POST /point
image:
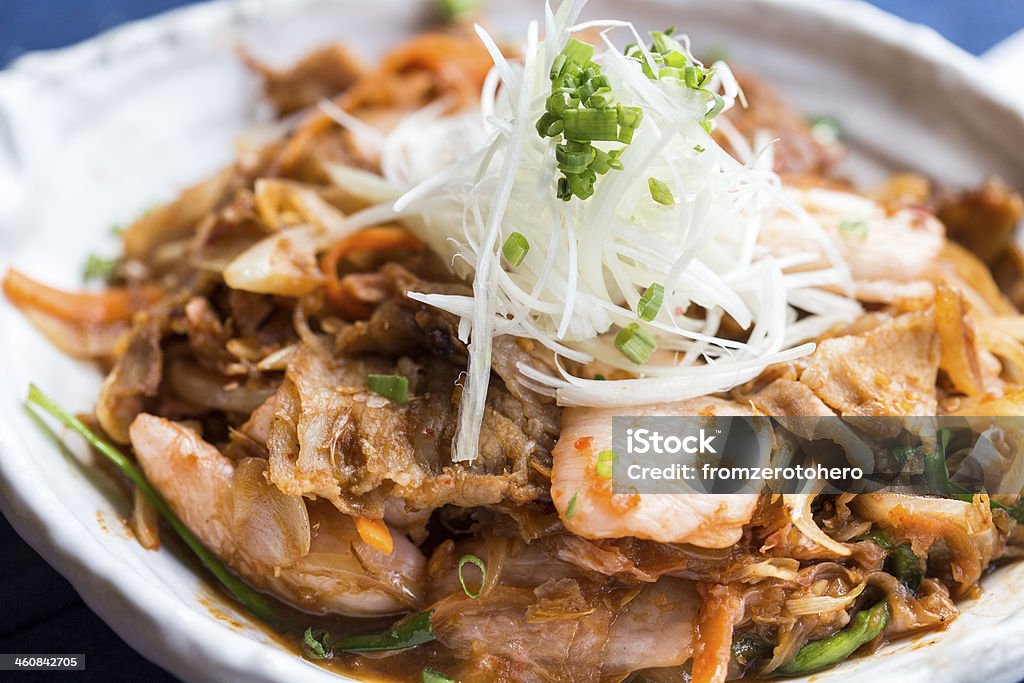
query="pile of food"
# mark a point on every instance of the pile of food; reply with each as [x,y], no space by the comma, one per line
[371,367]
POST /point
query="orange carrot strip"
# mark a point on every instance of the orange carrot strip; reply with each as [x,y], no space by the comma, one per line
[371,239]
[375,533]
[719,608]
[111,305]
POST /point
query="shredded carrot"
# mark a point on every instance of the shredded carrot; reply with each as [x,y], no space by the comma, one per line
[375,533]
[713,649]
[387,238]
[82,308]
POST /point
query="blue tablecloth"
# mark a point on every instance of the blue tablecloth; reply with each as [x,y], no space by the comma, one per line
[975,25]
[41,611]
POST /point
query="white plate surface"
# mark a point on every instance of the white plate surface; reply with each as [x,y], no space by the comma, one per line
[94,134]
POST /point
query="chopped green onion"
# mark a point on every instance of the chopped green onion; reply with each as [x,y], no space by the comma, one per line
[393,387]
[865,626]
[431,676]
[414,630]
[549,125]
[574,157]
[650,302]
[635,343]
[578,52]
[602,99]
[256,602]
[854,227]
[99,268]
[582,185]
[586,125]
[472,559]
[661,192]
[571,510]
[630,117]
[582,109]
[605,464]
[825,129]
[699,149]
[599,377]
[515,249]
[717,107]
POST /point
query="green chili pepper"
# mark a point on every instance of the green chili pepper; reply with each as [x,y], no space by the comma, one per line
[865,626]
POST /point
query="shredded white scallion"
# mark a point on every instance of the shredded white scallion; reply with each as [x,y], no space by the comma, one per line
[470,180]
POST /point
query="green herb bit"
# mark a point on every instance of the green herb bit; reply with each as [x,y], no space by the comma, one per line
[605,464]
[826,129]
[635,343]
[650,302]
[116,229]
[515,249]
[578,52]
[900,559]
[571,509]
[661,192]
[414,630]
[393,387]
[865,626]
[460,10]
[854,227]
[256,602]
[699,149]
[588,125]
[99,268]
[431,676]
[474,560]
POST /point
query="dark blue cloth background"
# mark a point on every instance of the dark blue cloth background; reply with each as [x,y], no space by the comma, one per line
[975,25]
[41,612]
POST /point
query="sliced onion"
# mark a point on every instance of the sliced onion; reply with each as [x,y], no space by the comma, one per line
[799,508]
[144,521]
[283,264]
[784,568]
[271,526]
[284,204]
[205,389]
[822,604]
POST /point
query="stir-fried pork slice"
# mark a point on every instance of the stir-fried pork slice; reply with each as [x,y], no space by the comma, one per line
[135,377]
[321,74]
[892,255]
[890,370]
[332,437]
[572,630]
[707,520]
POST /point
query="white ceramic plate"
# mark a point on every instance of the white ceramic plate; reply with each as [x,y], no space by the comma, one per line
[94,134]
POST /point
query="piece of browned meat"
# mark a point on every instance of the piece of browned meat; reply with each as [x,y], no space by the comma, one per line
[333,438]
[320,75]
[985,221]
[889,370]
[797,151]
